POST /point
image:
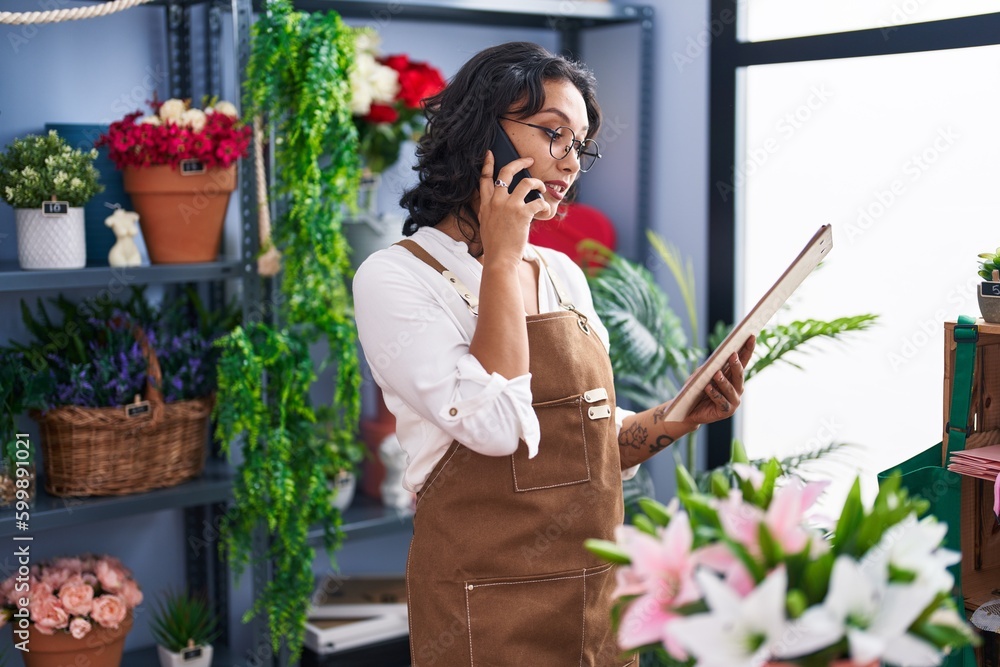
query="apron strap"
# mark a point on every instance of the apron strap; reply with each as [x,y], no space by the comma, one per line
[471,300]
[561,293]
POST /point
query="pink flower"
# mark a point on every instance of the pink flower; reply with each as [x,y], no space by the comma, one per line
[79,627]
[131,594]
[55,577]
[74,565]
[663,571]
[109,611]
[720,558]
[48,615]
[37,591]
[111,575]
[76,596]
[785,517]
[741,521]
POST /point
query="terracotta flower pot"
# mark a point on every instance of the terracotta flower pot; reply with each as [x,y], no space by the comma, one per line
[181,215]
[101,647]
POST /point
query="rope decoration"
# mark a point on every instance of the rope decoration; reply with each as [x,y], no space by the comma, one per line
[74,14]
[269,263]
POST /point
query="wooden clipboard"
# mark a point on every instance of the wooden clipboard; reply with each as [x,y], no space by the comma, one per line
[818,247]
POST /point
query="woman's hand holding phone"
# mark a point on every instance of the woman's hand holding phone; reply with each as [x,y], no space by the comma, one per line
[504,217]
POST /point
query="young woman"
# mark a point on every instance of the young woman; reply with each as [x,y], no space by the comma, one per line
[489,353]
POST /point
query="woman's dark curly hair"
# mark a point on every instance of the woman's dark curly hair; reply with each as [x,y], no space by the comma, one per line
[462,121]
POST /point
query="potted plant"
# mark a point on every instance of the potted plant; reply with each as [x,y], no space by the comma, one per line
[80,376]
[346,456]
[988,293]
[70,609]
[184,628]
[48,182]
[298,84]
[738,572]
[179,168]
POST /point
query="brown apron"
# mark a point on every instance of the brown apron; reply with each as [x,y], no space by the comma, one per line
[497,573]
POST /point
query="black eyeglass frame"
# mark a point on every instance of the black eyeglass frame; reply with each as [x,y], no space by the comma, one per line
[580,145]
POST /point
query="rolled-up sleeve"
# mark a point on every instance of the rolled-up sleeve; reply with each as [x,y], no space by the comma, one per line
[417,348]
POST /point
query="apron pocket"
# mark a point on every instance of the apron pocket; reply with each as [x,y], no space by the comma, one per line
[535,620]
[562,454]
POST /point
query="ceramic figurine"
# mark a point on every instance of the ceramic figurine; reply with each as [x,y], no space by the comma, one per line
[394,458]
[125,226]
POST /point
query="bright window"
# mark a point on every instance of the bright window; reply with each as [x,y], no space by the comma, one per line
[777,19]
[899,154]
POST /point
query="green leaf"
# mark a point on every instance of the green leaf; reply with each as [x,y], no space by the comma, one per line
[655,510]
[850,519]
[738,453]
[609,551]
[686,484]
[644,523]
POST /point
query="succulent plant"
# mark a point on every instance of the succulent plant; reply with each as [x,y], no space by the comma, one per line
[183,621]
[989,261]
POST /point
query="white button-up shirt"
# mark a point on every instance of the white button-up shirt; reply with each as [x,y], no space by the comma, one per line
[415,330]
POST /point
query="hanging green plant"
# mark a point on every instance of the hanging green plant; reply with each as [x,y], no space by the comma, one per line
[298,82]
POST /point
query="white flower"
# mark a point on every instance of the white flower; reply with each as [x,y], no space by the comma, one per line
[148,120]
[193,118]
[371,82]
[172,110]
[873,614]
[226,109]
[60,178]
[913,546]
[75,182]
[367,41]
[737,631]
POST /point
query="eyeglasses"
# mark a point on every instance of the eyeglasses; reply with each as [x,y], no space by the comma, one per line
[562,140]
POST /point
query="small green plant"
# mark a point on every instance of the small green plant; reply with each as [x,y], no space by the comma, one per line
[182,621]
[989,262]
[39,168]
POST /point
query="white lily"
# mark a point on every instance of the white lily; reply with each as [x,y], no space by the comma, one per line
[913,546]
[737,632]
[871,612]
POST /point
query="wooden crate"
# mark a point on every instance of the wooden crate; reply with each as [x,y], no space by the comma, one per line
[979,530]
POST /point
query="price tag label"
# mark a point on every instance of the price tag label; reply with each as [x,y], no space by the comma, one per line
[54,208]
[191,654]
[137,409]
[989,289]
[192,167]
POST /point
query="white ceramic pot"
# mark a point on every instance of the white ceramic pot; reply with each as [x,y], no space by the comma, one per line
[51,242]
[344,484]
[171,659]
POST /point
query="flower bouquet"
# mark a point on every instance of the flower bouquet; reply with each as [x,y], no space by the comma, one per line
[81,379]
[737,574]
[68,607]
[179,167]
[387,95]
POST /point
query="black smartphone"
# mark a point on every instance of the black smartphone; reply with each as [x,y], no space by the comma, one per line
[503,154]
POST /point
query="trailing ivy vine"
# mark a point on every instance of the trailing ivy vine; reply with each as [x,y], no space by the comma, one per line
[297,80]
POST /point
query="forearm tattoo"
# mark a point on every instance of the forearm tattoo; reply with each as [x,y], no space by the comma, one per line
[634,436]
[659,413]
[662,442]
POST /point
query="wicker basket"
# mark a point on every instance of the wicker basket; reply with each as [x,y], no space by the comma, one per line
[104,452]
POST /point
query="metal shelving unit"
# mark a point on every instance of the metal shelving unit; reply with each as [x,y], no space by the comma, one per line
[13,279]
[204,500]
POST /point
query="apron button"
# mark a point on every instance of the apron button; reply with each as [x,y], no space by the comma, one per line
[453,412]
[469,587]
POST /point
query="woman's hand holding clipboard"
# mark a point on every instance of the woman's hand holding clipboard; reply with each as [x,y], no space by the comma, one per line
[687,405]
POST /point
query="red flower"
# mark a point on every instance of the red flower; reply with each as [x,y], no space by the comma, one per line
[398,62]
[382,113]
[417,83]
[220,143]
